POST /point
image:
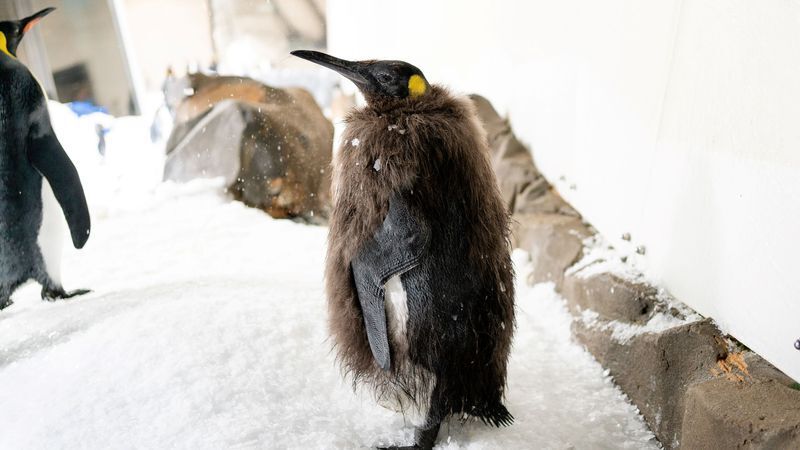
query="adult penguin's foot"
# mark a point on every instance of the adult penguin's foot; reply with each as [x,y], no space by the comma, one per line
[53,294]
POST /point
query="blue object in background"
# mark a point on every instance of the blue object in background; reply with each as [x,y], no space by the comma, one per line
[81,108]
[85,108]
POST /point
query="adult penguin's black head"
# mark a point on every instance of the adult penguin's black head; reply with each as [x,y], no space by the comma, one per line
[12,31]
[375,79]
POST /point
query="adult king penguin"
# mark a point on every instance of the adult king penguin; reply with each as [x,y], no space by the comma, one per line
[419,276]
[29,150]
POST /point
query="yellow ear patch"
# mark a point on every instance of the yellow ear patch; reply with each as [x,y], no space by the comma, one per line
[4,45]
[417,86]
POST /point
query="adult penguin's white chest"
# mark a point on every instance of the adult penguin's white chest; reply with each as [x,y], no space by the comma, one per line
[51,232]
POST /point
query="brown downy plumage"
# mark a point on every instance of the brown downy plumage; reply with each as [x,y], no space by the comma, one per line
[433,148]
[418,226]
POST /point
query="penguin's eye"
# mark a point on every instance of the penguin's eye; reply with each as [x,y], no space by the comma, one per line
[384,77]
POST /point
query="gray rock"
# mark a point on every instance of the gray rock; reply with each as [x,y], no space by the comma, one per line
[554,242]
[547,203]
[521,183]
[725,414]
[273,147]
[761,370]
[656,369]
[207,146]
[611,296]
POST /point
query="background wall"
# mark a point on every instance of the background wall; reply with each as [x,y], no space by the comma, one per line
[239,36]
[676,121]
[163,34]
[78,32]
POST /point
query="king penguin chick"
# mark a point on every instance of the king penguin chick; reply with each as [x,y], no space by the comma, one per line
[29,150]
[419,276]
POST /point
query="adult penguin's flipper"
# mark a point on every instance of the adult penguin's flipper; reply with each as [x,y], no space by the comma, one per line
[49,158]
[395,248]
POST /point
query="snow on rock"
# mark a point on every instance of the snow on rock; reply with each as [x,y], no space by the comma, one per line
[600,257]
[622,332]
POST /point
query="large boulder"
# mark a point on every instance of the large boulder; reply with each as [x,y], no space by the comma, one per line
[272,146]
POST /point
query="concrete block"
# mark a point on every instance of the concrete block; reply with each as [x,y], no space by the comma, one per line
[554,242]
[724,414]
[611,296]
[656,369]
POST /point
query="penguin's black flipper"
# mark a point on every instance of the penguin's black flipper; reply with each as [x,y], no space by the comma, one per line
[395,248]
[49,158]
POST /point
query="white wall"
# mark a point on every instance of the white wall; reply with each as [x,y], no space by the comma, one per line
[174,33]
[676,120]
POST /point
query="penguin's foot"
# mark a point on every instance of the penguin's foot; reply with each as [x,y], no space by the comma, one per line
[53,294]
[425,439]
[5,303]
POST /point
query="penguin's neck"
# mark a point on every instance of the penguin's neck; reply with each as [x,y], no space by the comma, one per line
[4,46]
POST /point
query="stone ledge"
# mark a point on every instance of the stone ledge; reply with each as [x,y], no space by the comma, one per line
[611,296]
[721,414]
[554,241]
[673,374]
[655,369]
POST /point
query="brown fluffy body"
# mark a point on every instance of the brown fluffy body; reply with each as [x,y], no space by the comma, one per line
[433,149]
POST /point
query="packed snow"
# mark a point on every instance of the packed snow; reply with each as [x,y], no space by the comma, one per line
[206,329]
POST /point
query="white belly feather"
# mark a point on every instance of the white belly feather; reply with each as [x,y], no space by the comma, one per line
[51,233]
[397,311]
[396,301]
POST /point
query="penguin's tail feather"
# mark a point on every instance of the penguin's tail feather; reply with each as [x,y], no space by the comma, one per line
[497,416]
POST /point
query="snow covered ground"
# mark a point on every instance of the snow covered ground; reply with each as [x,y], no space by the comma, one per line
[206,329]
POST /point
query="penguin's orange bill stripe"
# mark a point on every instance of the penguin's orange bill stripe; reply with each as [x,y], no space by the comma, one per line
[31,24]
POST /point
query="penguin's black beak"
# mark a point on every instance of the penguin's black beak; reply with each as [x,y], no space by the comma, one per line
[375,79]
[29,22]
[352,70]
